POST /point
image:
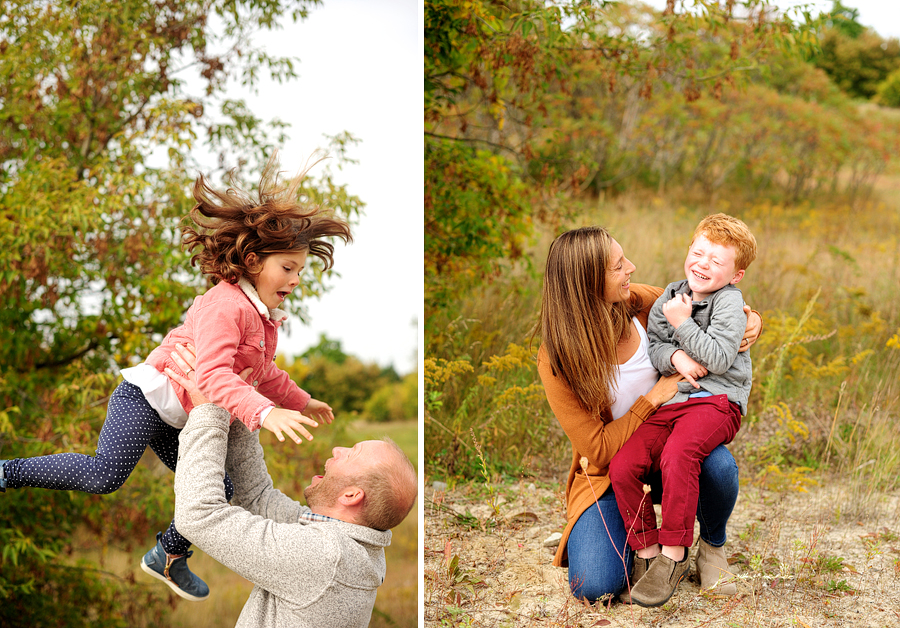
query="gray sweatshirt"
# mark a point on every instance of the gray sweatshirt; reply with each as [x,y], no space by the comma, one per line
[712,337]
[307,573]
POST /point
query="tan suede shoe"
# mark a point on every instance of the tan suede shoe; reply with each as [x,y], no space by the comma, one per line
[660,581]
[713,569]
[638,569]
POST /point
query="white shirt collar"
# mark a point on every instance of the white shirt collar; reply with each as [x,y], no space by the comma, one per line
[275,315]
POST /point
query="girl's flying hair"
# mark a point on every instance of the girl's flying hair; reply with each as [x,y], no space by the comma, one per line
[234,224]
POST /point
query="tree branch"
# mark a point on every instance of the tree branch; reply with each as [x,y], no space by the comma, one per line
[93,344]
[472,140]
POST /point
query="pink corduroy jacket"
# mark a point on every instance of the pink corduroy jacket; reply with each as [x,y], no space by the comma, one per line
[231,329]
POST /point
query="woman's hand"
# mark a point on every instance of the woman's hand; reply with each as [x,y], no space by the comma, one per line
[664,389]
[319,410]
[754,329]
[186,360]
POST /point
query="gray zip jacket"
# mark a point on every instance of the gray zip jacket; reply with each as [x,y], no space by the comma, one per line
[307,573]
[712,337]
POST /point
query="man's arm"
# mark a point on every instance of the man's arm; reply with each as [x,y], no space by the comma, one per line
[253,486]
[291,561]
[245,462]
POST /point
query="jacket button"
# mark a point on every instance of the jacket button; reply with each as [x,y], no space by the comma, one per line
[255,383]
[262,343]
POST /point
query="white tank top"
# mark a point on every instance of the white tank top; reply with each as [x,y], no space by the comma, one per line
[634,378]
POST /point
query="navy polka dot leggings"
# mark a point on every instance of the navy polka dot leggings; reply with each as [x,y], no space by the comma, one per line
[131,424]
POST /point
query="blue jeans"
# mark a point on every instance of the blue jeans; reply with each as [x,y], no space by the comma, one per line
[596,557]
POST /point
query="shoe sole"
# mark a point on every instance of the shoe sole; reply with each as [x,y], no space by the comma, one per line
[181,592]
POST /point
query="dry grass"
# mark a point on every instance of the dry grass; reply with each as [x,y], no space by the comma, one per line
[801,563]
[830,557]
[228,591]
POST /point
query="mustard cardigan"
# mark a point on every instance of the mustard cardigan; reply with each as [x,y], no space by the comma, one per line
[596,438]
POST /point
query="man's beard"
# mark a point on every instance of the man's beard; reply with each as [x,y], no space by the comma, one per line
[325,493]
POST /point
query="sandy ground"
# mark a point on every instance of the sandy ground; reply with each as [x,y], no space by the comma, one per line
[829,557]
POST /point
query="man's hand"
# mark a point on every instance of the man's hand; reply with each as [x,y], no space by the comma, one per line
[186,360]
[319,410]
[282,420]
[677,309]
[688,367]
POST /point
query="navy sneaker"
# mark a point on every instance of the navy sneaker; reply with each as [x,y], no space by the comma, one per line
[2,477]
[173,570]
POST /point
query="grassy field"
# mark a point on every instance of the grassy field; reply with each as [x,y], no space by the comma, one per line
[397,602]
[823,416]
[825,368]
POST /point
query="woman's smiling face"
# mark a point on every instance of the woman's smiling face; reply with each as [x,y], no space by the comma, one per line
[618,275]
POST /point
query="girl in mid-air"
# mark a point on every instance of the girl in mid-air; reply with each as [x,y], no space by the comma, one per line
[253,249]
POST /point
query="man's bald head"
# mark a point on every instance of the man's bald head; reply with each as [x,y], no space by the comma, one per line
[391,487]
[383,473]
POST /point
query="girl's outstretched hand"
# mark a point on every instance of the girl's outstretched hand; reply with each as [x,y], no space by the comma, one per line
[281,420]
[319,410]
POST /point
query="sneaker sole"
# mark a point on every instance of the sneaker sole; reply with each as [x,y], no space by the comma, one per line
[181,592]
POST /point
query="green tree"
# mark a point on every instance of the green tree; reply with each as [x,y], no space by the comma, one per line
[845,20]
[96,133]
[341,380]
[889,90]
[327,348]
[396,401]
[526,102]
[856,58]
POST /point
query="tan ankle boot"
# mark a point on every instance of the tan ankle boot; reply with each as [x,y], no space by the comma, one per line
[713,569]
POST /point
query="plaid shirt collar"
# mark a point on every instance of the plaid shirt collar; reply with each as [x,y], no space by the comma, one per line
[312,517]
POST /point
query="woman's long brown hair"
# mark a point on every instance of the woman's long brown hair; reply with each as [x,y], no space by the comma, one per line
[579,329]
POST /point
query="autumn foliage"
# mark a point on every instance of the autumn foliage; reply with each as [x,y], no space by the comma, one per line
[102,107]
[542,117]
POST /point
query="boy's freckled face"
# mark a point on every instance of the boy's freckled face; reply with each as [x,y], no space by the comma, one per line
[709,267]
[279,276]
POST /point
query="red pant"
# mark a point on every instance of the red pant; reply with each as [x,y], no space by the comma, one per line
[674,441]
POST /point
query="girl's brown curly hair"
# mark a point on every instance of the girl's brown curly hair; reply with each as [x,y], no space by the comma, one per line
[233,224]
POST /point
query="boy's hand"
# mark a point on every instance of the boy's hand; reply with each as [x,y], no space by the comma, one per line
[688,367]
[281,420]
[319,410]
[677,309]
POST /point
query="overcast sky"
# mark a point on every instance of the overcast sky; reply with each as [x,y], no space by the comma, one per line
[881,15]
[360,70]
